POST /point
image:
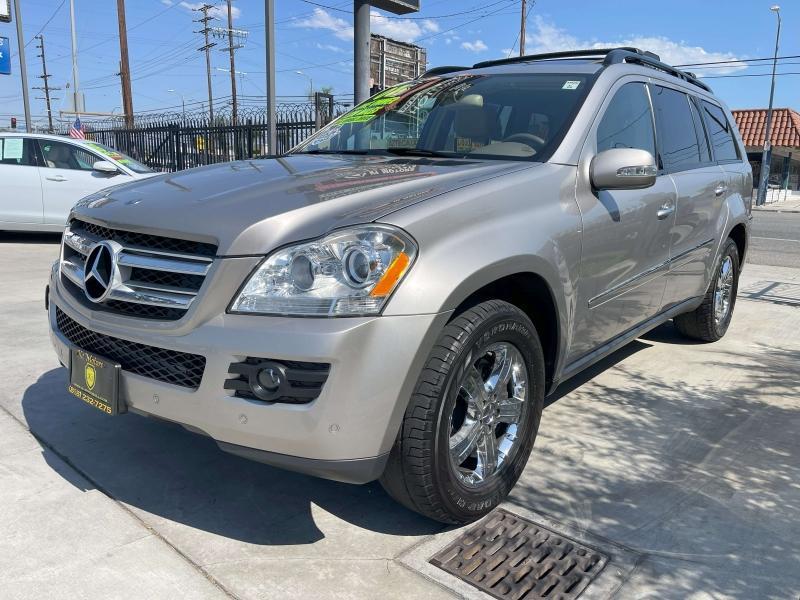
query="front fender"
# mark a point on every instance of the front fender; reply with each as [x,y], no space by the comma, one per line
[525,222]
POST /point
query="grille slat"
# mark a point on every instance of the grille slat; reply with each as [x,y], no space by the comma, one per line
[168,366]
[144,240]
[160,275]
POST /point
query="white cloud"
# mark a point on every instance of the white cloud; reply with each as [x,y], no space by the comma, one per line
[216,12]
[167,2]
[322,19]
[403,30]
[330,48]
[547,37]
[476,46]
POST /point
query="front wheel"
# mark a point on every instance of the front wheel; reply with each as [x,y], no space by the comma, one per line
[709,321]
[472,420]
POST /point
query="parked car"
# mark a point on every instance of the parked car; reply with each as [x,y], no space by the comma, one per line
[397,308]
[43,176]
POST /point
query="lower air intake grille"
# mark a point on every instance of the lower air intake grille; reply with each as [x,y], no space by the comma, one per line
[169,366]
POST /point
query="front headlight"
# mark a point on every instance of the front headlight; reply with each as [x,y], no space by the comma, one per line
[350,272]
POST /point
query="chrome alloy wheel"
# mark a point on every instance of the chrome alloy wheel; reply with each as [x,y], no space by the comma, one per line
[723,293]
[490,406]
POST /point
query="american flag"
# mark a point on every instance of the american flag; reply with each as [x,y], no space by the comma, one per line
[76,131]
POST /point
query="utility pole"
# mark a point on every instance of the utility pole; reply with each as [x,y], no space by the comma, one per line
[124,66]
[46,86]
[523,18]
[766,155]
[233,61]
[23,69]
[269,21]
[208,46]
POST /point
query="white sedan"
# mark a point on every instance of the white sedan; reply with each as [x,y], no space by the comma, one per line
[43,176]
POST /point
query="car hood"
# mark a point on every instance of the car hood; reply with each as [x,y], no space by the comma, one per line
[250,207]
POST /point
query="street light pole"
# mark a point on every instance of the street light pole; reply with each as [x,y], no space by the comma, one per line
[361,28]
[183,103]
[23,69]
[766,155]
[310,84]
[272,129]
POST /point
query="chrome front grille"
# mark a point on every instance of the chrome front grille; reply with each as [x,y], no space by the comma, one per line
[158,277]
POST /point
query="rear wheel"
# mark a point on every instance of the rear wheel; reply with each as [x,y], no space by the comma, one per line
[709,321]
[470,425]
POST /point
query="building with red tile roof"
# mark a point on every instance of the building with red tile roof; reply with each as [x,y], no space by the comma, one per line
[785,139]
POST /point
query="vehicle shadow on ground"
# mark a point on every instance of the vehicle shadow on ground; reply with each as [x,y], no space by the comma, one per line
[161,468]
[19,237]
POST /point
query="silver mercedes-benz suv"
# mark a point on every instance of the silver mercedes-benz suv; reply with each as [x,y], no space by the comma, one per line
[395,297]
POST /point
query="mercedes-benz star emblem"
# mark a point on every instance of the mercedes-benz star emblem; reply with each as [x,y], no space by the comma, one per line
[99,271]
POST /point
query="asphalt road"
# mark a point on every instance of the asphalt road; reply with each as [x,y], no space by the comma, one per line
[775,239]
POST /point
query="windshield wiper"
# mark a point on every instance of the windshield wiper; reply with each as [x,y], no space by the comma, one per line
[418,152]
[334,152]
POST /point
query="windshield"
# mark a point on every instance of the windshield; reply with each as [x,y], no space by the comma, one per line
[504,117]
[123,159]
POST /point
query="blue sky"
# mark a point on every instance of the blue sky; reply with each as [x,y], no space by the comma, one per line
[318,41]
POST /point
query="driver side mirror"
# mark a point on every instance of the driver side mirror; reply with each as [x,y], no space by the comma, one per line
[105,167]
[623,169]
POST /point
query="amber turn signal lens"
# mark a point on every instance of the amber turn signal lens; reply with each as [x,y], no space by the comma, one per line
[392,275]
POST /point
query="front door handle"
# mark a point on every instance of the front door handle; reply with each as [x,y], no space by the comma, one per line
[720,189]
[56,178]
[666,210]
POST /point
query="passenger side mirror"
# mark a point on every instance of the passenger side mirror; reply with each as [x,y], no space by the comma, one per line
[623,169]
[105,167]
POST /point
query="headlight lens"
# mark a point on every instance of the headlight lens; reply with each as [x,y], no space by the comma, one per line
[348,273]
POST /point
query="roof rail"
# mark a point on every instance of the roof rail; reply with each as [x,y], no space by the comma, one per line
[443,70]
[565,54]
[623,55]
[611,56]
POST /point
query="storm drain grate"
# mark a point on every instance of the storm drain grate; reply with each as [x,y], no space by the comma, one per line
[512,558]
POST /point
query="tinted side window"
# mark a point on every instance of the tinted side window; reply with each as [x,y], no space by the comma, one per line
[628,121]
[705,150]
[679,147]
[58,155]
[721,133]
[17,151]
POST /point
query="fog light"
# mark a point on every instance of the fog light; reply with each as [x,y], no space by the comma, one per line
[269,379]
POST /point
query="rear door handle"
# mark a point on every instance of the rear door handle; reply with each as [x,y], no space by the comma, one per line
[56,178]
[666,210]
[720,189]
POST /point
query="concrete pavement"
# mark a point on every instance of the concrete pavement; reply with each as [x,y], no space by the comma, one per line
[679,460]
[780,201]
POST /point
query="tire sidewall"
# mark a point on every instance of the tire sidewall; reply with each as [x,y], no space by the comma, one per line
[730,250]
[507,326]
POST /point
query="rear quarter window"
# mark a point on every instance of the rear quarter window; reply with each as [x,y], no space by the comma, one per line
[721,133]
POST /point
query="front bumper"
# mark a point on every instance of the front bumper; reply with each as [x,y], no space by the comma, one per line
[345,434]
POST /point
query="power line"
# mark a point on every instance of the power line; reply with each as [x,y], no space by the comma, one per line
[734,60]
[748,75]
[394,18]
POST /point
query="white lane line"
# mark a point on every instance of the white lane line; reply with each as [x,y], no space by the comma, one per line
[775,239]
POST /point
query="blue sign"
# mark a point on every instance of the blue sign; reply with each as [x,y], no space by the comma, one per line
[5,57]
